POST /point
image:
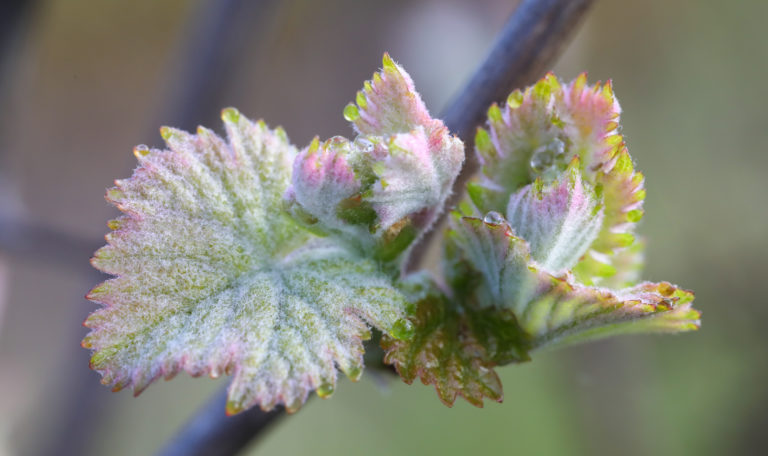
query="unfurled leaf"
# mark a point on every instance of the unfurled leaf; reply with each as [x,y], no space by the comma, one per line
[383,189]
[247,257]
[456,350]
[553,309]
[212,277]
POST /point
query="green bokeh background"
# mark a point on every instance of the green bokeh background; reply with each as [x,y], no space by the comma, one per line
[87,82]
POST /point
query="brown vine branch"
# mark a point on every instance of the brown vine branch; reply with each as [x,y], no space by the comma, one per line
[527,46]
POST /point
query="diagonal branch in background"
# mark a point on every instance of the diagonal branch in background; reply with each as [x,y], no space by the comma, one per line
[527,46]
[210,433]
[215,41]
[37,242]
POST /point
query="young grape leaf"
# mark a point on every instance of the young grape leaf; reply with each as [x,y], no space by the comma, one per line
[389,104]
[537,133]
[456,349]
[212,277]
[386,187]
[558,220]
[554,309]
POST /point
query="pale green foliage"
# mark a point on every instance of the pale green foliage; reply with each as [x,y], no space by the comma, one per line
[386,187]
[212,277]
[554,163]
[250,258]
[558,220]
[537,133]
[554,309]
[455,348]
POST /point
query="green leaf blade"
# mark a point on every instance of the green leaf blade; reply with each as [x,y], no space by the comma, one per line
[558,220]
[212,277]
[455,351]
[555,309]
[386,187]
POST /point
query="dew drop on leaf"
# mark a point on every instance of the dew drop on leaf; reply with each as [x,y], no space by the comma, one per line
[142,150]
[365,145]
[493,218]
[635,215]
[402,329]
[558,147]
[541,159]
[325,390]
[351,113]
[549,158]
[354,373]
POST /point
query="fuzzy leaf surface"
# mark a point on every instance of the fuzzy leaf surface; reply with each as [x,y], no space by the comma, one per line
[554,309]
[389,104]
[537,133]
[213,278]
[454,350]
[558,220]
[386,187]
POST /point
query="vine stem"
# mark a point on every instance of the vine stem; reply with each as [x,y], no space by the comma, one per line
[210,432]
[526,47]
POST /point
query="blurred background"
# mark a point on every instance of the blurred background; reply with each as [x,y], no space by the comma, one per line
[83,81]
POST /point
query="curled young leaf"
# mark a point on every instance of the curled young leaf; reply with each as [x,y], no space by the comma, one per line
[389,104]
[387,186]
[212,277]
[538,132]
[327,186]
[559,220]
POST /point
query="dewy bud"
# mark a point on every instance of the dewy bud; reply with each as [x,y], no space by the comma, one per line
[385,188]
[534,138]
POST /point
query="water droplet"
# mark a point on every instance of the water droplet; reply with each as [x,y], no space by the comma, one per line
[493,218]
[634,215]
[351,113]
[364,144]
[354,373]
[541,159]
[293,404]
[230,115]
[166,132]
[558,147]
[402,329]
[233,407]
[325,390]
[515,99]
[115,224]
[548,156]
[338,143]
[142,150]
